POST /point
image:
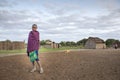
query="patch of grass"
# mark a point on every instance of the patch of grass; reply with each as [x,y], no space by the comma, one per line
[12,51]
[41,50]
[48,50]
[74,47]
[58,49]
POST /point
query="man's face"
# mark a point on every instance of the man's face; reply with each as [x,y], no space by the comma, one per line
[34,28]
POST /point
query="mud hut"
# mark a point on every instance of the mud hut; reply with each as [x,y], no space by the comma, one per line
[95,43]
[51,44]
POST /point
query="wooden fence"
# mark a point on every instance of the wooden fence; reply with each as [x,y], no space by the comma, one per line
[8,45]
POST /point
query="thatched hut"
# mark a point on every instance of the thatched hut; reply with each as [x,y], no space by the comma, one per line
[95,43]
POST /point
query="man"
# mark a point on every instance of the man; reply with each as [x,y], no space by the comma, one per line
[33,45]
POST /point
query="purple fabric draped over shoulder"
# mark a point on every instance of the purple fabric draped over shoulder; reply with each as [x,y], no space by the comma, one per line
[33,41]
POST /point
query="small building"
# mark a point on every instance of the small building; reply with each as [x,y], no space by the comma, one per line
[50,44]
[116,45]
[95,43]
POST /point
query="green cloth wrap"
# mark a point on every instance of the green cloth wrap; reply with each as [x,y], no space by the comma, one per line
[33,56]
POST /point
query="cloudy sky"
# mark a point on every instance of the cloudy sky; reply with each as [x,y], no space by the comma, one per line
[60,20]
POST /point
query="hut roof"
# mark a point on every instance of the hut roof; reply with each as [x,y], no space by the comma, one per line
[96,39]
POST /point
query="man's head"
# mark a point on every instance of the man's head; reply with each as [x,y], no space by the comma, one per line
[34,27]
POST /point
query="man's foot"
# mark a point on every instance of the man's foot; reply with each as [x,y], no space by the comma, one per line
[41,70]
[33,70]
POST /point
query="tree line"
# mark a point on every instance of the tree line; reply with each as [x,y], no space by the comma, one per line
[108,42]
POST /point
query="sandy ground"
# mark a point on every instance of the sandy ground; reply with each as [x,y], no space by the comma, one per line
[76,65]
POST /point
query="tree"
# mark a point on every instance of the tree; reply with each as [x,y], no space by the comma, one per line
[8,40]
[68,43]
[110,42]
[63,43]
[82,42]
[43,42]
[117,41]
[73,43]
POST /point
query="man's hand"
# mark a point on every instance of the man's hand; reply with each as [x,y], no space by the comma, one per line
[28,54]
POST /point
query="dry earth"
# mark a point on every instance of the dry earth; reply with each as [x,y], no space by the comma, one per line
[75,65]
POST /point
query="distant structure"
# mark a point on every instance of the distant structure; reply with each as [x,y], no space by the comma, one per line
[8,45]
[50,44]
[95,43]
[116,45]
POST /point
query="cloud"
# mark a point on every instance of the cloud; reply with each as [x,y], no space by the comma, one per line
[59,22]
[109,4]
[14,23]
[88,26]
[4,3]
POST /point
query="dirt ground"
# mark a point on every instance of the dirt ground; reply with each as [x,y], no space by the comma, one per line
[76,65]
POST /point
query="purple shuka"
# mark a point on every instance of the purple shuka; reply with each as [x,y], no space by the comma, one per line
[33,41]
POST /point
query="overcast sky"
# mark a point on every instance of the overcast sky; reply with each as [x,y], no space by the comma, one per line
[60,20]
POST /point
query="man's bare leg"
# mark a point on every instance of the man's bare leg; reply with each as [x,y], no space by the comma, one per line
[34,67]
[40,66]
